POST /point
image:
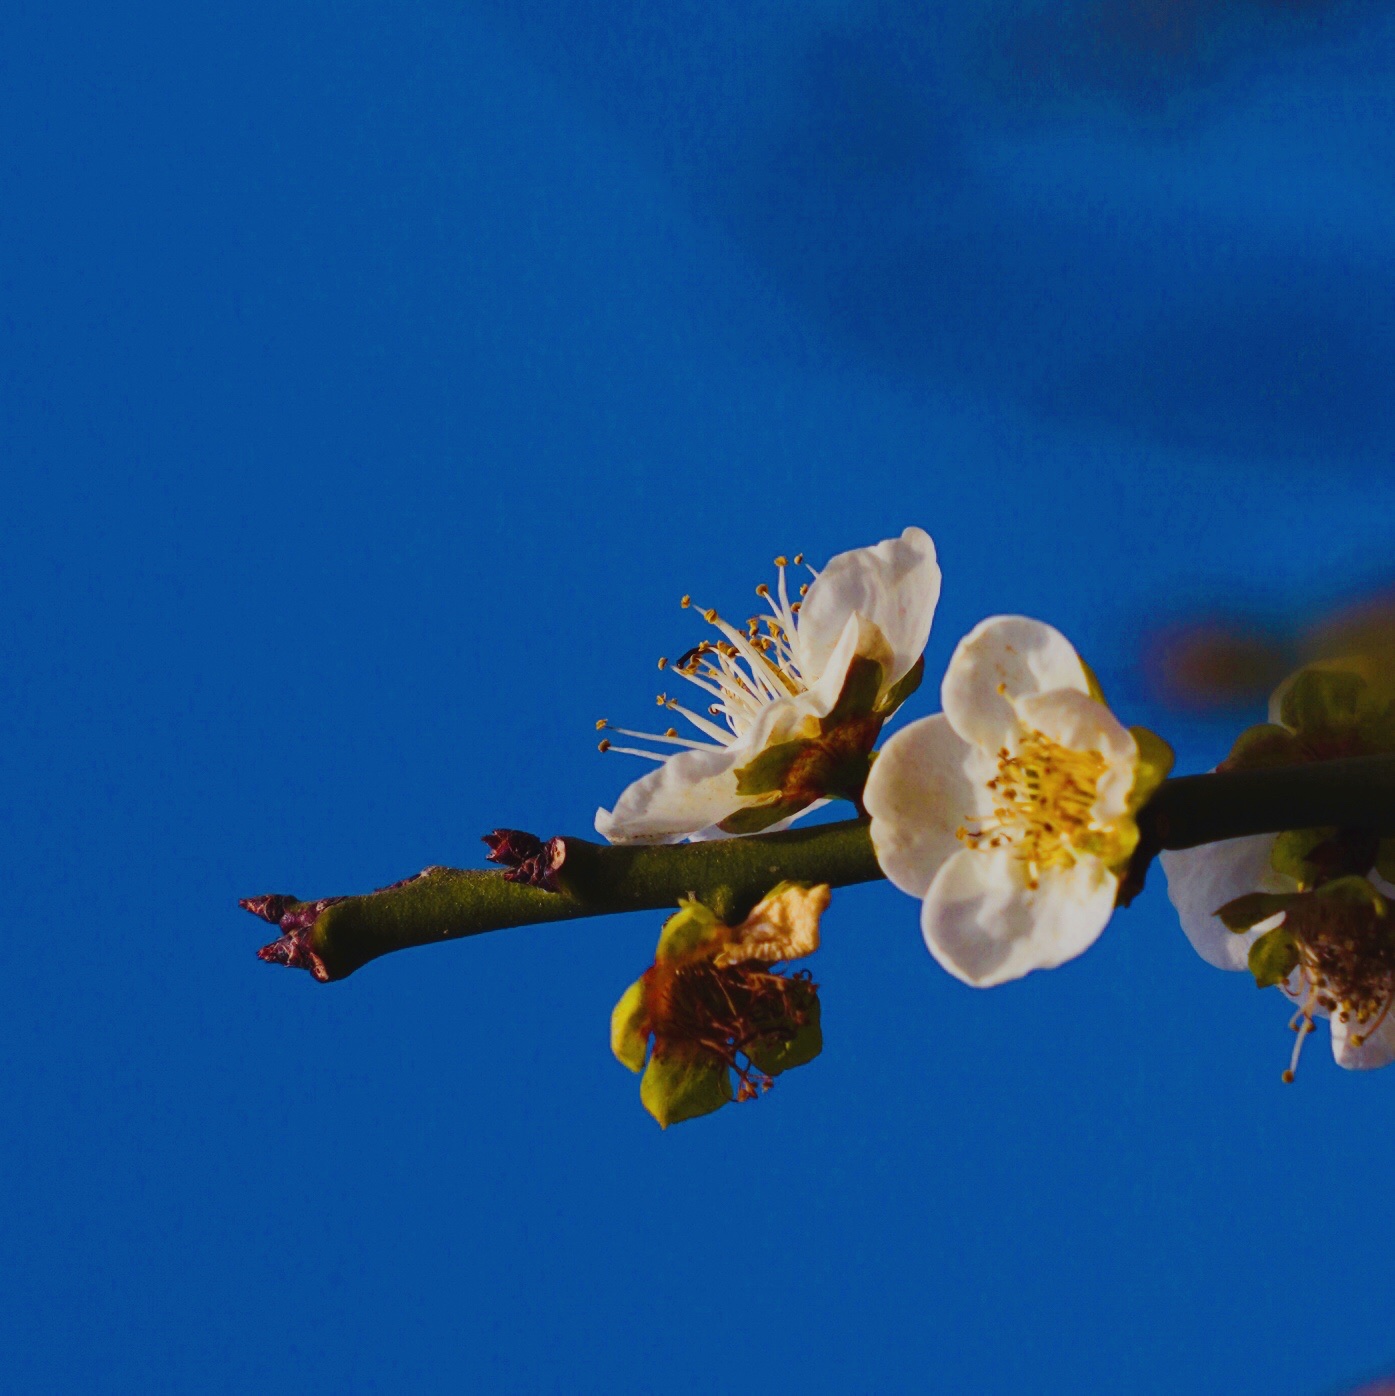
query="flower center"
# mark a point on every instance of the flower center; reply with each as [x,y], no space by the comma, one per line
[1346,957]
[742,672]
[728,1012]
[1044,797]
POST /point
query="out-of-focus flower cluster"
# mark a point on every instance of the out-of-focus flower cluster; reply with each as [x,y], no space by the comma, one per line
[1307,910]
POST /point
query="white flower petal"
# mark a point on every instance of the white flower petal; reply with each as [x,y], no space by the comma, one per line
[694,790]
[986,926]
[1376,1051]
[687,793]
[922,788]
[1202,880]
[895,585]
[823,694]
[715,831]
[1001,661]
[1075,720]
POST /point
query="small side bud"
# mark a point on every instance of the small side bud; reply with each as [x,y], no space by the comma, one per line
[527,858]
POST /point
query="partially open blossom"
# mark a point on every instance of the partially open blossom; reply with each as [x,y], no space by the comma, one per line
[1011,814]
[1305,911]
[717,1010]
[797,699]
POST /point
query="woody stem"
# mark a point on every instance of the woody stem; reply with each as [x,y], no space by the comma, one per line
[731,875]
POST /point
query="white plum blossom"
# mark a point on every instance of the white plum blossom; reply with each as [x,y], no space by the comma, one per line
[801,693]
[1010,814]
[1329,943]
[1357,1000]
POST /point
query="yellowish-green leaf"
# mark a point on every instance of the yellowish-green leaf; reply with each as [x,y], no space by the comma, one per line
[1264,745]
[1355,891]
[902,688]
[766,773]
[773,1056]
[628,1038]
[692,928]
[1096,692]
[1292,854]
[755,819]
[682,1086]
[1273,957]
[1245,913]
[858,695]
[1320,700]
[1155,760]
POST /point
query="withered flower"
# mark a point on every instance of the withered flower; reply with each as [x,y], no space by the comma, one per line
[723,1019]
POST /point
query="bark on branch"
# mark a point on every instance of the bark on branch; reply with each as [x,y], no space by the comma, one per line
[334,936]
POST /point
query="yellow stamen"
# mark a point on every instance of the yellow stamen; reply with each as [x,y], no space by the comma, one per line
[1045,796]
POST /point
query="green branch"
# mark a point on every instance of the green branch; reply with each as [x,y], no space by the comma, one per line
[334,936]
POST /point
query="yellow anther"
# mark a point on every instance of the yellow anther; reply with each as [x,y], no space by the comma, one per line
[663,663]
[710,616]
[685,602]
[798,559]
[602,723]
[671,732]
[782,562]
[804,588]
[763,590]
[603,746]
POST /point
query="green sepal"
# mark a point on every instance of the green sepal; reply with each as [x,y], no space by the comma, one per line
[843,775]
[1092,682]
[1266,744]
[1357,891]
[681,1086]
[1322,701]
[1116,846]
[1245,913]
[628,1038]
[1273,957]
[766,773]
[858,696]
[1291,850]
[773,1056]
[690,930]
[755,819]
[1385,859]
[1155,760]
[1293,855]
[902,688]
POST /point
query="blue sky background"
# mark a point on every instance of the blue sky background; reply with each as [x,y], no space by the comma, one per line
[375,379]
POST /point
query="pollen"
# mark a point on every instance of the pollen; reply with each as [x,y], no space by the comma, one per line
[602,723]
[1044,797]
